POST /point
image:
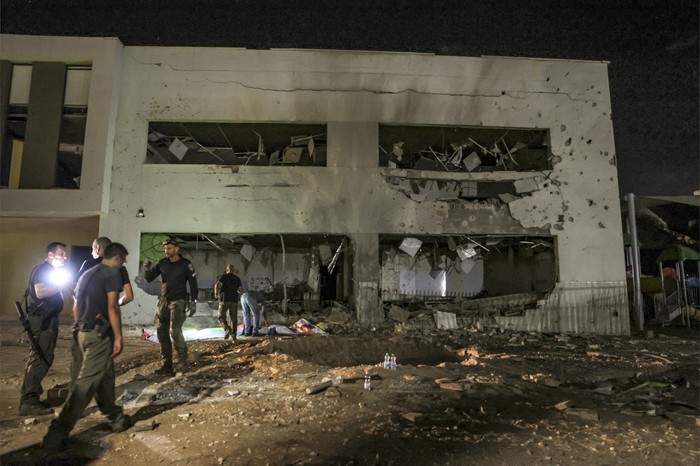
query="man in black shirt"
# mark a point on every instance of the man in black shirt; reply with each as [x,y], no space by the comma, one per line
[98,318]
[228,288]
[98,249]
[176,273]
[46,302]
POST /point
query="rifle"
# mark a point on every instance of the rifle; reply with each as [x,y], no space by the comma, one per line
[32,339]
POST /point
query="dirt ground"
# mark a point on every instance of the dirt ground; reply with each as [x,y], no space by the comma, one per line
[456,397]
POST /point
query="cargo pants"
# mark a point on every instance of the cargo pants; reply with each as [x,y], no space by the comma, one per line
[232,309]
[95,377]
[36,368]
[170,316]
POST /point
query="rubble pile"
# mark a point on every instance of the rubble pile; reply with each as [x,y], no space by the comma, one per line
[480,395]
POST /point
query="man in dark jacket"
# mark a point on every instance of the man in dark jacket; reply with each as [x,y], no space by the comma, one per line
[176,273]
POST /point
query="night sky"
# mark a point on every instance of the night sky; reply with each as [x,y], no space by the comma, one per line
[652,47]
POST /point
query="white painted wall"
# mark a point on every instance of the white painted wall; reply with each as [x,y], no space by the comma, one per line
[353,92]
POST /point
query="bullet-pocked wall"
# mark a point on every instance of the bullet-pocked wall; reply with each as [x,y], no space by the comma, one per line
[352,94]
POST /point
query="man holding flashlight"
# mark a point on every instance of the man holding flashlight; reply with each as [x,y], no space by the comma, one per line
[45,284]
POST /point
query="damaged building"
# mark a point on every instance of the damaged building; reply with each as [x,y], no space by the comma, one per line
[458,190]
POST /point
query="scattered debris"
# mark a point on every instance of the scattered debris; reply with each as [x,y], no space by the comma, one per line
[583,414]
[319,387]
[562,405]
[144,426]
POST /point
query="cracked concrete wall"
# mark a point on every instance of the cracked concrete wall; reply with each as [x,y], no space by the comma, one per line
[354,92]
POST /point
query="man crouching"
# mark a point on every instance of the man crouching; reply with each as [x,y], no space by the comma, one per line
[99,338]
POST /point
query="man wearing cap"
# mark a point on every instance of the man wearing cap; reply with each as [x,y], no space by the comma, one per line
[176,272]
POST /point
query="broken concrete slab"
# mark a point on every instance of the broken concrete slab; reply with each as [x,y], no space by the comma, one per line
[455,386]
[319,387]
[144,426]
[398,314]
[563,405]
[505,197]
[337,316]
[525,185]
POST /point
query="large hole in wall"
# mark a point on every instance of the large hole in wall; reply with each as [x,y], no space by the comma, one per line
[463,149]
[464,268]
[310,271]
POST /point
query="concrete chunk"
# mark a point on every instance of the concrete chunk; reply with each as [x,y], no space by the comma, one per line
[525,185]
[507,197]
[144,426]
[455,386]
[583,414]
[318,387]
[562,405]
[398,314]
[416,418]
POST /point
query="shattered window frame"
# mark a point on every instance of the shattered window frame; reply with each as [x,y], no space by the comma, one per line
[260,144]
[326,253]
[464,149]
[446,254]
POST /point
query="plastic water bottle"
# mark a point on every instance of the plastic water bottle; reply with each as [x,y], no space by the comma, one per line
[392,363]
[368,382]
[387,361]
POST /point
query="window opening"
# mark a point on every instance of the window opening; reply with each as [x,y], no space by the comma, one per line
[268,144]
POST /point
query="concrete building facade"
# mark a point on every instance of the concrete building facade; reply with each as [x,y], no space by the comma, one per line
[564,212]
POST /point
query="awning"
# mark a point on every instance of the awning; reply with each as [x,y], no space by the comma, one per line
[678,253]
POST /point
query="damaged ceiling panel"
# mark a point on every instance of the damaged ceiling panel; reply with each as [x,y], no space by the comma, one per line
[456,149]
[250,245]
[459,248]
[236,143]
